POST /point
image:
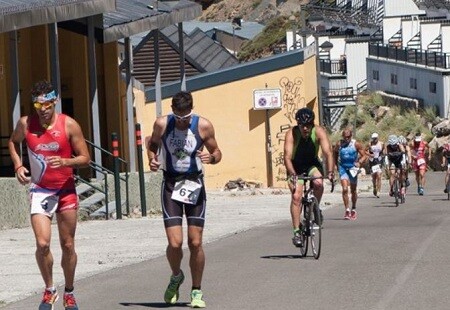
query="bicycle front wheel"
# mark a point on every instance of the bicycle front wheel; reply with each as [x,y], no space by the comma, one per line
[396,191]
[316,229]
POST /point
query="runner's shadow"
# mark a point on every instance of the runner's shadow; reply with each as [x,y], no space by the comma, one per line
[154,304]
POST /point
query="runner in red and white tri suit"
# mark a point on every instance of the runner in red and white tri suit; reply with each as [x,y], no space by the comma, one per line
[52,139]
[420,151]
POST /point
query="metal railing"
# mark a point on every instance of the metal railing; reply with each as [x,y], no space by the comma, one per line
[334,67]
[414,56]
[105,172]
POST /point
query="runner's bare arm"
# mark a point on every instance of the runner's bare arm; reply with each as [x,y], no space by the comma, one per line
[214,155]
[82,157]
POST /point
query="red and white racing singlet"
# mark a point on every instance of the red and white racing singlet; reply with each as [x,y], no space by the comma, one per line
[42,143]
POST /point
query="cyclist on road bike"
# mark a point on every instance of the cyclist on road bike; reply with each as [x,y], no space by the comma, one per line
[419,151]
[374,152]
[446,162]
[402,140]
[395,159]
[348,165]
[301,148]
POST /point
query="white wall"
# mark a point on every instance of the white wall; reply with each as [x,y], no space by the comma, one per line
[356,52]
[429,32]
[410,28]
[401,8]
[404,72]
[390,27]
[445,31]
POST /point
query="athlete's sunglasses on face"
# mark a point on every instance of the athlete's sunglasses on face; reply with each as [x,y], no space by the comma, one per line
[182,118]
[47,105]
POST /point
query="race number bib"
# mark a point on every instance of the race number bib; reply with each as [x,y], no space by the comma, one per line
[376,168]
[186,191]
[420,161]
[354,171]
[44,203]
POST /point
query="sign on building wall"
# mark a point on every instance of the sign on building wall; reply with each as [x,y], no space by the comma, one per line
[266,98]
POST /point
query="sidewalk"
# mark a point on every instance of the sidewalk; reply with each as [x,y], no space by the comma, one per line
[105,245]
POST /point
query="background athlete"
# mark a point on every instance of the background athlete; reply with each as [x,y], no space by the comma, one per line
[349,156]
[374,152]
[52,139]
[301,149]
[185,141]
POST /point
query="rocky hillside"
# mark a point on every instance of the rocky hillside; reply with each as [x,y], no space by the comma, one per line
[261,11]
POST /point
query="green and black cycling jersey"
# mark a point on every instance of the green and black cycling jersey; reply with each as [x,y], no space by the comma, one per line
[305,152]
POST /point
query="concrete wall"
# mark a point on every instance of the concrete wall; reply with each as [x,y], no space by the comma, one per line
[14,205]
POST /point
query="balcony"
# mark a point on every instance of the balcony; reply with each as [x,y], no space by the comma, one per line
[413,56]
[333,67]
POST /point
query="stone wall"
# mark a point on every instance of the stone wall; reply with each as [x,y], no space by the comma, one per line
[14,205]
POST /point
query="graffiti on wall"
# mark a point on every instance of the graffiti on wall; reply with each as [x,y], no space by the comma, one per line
[293,99]
[292,96]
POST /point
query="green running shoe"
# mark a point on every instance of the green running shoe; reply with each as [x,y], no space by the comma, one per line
[197,299]
[171,295]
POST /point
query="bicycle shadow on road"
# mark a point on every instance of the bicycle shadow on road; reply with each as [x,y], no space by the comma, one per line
[157,305]
[291,256]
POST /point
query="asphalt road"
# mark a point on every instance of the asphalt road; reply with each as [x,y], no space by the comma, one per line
[389,258]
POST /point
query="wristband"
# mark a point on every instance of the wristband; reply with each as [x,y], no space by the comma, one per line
[15,170]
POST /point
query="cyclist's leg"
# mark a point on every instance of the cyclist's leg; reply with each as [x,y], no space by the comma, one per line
[296,198]
[391,170]
[317,184]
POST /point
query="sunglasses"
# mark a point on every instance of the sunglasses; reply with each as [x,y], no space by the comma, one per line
[182,118]
[47,105]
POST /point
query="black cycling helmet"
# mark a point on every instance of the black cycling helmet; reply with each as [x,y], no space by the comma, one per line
[304,116]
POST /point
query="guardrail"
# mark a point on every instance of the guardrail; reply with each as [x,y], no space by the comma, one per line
[414,56]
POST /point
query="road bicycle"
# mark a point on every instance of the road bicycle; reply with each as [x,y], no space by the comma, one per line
[311,224]
[398,188]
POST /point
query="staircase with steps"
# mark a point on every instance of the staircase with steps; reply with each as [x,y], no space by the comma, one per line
[94,202]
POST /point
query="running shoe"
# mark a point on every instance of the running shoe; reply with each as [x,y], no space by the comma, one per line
[407,183]
[347,215]
[197,299]
[48,300]
[353,215]
[445,190]
[172,294]
[69,302]
[297,240]
[421,191]
[375,193]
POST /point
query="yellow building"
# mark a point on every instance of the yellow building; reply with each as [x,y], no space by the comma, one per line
[226,98]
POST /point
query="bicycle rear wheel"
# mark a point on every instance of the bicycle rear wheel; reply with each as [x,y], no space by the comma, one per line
[316,229]
[395,189]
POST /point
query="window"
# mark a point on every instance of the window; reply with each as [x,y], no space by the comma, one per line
[432,87]
[376,75]
[394,79]
[413,83]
